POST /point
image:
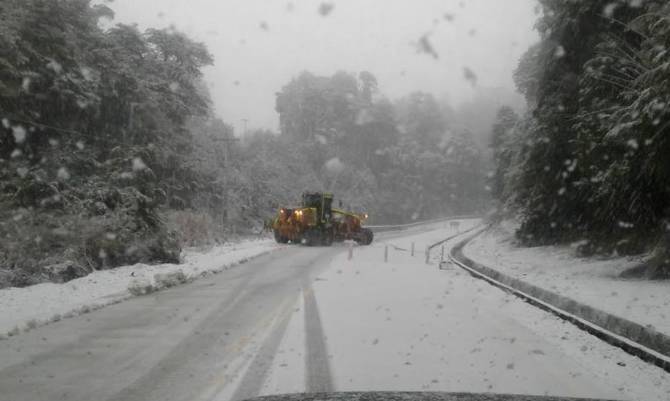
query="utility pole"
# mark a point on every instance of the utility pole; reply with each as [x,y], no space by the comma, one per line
[245,121]
[224,164]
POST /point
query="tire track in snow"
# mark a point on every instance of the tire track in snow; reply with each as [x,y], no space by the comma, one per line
[259,368]
[317,370]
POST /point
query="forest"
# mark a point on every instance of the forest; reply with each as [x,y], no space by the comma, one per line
[588,163]
[111,153]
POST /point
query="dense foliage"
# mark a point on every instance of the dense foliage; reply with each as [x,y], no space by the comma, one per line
[93,137]
[590,163]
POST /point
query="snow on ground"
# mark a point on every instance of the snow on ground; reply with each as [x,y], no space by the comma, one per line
[25,308]
[592,281]
[405,325]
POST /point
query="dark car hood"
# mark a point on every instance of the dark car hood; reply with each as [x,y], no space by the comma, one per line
[413,396]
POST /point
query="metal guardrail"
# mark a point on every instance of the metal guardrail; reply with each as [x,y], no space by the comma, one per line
[398,227]
[458,234]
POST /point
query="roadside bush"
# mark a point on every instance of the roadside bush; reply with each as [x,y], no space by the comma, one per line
[167,280]
[141,287]
[193,228]
[45,243]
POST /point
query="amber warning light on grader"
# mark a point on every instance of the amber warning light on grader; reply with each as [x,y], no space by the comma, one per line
[316,222]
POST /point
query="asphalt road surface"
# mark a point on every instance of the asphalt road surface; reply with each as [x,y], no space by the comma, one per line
[171,345]
[217,338]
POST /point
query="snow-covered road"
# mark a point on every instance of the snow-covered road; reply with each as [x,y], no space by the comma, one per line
[311,319]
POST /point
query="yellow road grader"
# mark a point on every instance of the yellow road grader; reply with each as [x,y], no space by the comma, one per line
[316,222]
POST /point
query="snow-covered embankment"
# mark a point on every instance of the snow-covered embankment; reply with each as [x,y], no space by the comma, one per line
[22,309]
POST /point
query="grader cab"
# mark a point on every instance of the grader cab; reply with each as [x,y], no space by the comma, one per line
[315,222]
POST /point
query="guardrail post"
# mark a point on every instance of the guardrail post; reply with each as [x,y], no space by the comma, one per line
[386,253]
[412,248]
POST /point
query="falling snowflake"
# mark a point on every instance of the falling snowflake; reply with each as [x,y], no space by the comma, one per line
[138,164]
[55,66]
[326,8]
[559,52]
[63,174]
[609,9]
[22,172]
[424,46]
[87,73]
[470,76]
[19,134]
[364,117]
[334,165]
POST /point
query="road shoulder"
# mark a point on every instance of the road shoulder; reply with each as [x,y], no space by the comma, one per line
[586,288]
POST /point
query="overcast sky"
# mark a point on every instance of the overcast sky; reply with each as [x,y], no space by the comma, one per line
[259,45]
